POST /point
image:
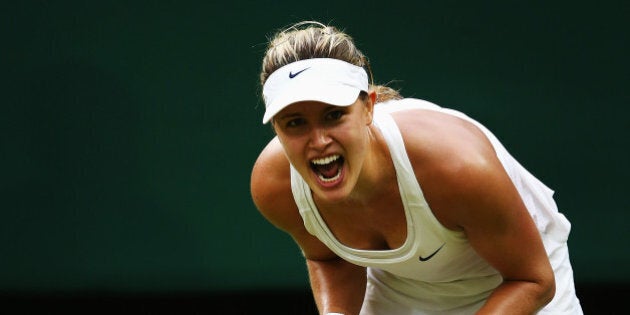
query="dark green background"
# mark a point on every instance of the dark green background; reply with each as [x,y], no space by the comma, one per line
[128,129]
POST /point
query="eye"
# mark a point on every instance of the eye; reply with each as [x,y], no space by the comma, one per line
[296,122]
[334,115]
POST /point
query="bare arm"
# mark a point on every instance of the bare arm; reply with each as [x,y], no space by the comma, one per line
[337,285]
[469,190]
[501,230]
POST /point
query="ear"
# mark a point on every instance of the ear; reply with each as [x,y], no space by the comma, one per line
[369,107]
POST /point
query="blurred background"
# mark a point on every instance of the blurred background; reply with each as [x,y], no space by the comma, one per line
[129,129]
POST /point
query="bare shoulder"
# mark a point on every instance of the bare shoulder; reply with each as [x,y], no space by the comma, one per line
[271,192]
[453,160]
[270,186]
[441,138]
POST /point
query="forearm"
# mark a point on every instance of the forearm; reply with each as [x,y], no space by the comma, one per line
[337,285]
[518,297]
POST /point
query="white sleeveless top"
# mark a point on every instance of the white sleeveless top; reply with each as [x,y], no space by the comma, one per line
[436,269]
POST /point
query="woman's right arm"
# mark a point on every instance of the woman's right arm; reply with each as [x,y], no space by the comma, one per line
[337,285]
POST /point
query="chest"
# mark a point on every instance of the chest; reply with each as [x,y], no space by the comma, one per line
[381,225]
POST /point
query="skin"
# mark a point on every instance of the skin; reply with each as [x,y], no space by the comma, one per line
[463,181]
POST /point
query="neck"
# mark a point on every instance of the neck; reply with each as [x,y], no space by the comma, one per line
[378,172]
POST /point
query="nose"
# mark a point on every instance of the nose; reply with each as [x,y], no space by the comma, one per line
[319,138]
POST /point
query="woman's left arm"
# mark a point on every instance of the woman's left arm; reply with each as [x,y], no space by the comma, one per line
[494,218]
[470,191]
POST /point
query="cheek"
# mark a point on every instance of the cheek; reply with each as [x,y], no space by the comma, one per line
[293,149]
[354,139]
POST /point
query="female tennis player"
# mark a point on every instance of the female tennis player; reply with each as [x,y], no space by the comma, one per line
[398,205]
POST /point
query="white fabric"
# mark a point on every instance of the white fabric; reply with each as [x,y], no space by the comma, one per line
[455,280]
[326,80]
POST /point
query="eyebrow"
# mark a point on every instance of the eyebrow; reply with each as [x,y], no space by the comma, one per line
[297,114]
[287,116]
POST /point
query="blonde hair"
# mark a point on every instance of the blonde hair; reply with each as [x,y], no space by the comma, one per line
[312,39]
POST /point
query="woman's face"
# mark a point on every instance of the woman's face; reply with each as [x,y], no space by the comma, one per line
[326,144]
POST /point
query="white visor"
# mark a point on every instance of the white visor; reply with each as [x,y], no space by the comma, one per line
[325,80]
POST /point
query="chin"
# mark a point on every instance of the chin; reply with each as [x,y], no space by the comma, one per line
[331,197]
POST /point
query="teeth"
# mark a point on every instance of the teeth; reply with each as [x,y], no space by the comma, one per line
[326,160]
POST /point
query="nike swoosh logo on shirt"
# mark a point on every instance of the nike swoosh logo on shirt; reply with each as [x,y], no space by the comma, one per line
[293,75]
[431,256]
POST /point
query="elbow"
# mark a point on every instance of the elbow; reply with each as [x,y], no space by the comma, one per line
[547,289]
[546,284]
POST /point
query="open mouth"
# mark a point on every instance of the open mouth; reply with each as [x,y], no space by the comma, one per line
[328,169]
